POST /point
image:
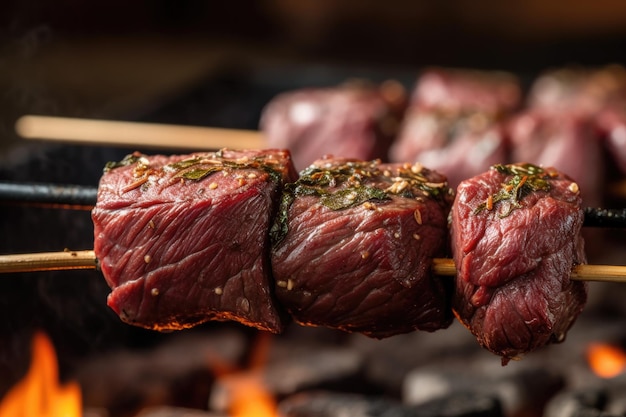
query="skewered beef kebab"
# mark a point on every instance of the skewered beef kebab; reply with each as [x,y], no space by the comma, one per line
[573,115]
[516,235]
[356,119]
[454,121]
[354,243]
[184,239]
[398,211]
[569,116]
[188,205]
[611,123]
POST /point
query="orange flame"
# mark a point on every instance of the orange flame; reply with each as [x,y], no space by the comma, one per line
[247,394]
[605,360]
[249,397]
[39,394]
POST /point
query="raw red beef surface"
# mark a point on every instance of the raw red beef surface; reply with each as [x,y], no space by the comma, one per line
[355,243]
[567,142]
[516,234]
[354,120]
[184,239]
[453,123]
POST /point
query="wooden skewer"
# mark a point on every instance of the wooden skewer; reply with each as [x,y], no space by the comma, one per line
[86,259]
[134,134]
[603,273]
[48,261]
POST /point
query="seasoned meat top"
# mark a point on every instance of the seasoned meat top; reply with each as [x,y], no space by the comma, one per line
[140,180]
[343,183]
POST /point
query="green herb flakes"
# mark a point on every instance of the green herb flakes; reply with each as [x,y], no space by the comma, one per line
[525,179]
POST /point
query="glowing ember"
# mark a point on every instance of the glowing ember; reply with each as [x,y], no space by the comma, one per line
[39,393]
[246,392]
[249,398]
[605,360]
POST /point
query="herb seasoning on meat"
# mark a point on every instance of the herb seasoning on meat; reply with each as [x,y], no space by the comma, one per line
[524,179]
[350,183]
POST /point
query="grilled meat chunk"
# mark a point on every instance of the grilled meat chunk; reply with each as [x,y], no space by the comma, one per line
[354,120]
[353,247]
[579,91]
[593,96]
[564,141]
[459,145]
[184,239]
[453,123]
[465,90]
[516,234]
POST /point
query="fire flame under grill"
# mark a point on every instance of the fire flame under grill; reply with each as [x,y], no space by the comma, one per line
[39,393]
[251,390]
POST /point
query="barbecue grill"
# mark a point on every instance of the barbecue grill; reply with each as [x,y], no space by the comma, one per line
[47,188]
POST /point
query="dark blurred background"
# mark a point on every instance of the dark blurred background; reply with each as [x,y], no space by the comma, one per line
[120,59]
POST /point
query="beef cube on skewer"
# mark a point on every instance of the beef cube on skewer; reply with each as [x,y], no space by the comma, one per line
[453,123]
[595,97]
[516,234]
[461,145]
[573,90]
[464,90]
[184,239]
[567,142]
[353,247]
[356,120]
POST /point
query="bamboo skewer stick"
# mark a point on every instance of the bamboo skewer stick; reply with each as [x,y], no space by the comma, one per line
[86,259]
[48,261]
[134,134]
[602,273]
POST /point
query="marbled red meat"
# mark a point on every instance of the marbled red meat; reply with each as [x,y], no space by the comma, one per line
[516,234]
[575,115]
[355,246]
[465,90]
[354,120]
[579,91]
[184,239]
[453,122]
[460,146]
[566,141]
